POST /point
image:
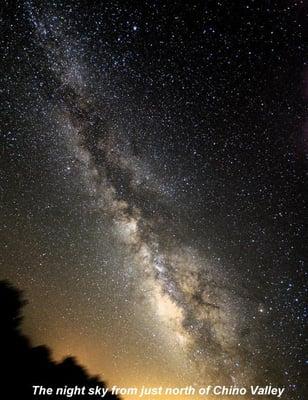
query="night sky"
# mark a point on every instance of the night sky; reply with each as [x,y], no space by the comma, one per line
[152,186]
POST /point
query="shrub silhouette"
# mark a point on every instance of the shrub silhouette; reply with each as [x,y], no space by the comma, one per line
[23,366]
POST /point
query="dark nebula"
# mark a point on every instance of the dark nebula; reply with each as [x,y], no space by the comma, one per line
[153,171]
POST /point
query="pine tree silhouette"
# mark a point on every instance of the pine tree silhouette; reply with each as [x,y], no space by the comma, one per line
[24,366]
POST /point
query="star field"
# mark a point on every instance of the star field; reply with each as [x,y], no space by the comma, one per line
[153,171]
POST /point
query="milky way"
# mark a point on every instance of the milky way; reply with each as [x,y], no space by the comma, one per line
[201,263]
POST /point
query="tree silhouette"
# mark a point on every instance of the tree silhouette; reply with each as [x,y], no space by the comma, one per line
[24,366]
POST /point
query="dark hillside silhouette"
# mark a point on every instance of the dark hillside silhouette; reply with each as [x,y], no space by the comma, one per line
[24,366]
